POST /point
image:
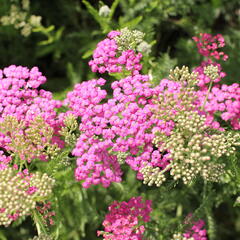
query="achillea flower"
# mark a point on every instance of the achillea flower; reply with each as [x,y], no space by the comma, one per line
[122,124]
[116,53]
[208,45]
[4,160]
[203,78]
[195,231]
[19,192]
[29,141]
[20,97]
[125,220]
[223,99]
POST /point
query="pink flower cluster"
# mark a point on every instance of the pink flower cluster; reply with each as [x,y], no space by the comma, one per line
[45,210]
[95,165]
[20,97]
[225,100]
[107,57]
[123,124]
[221,99]
[197,232]
[208,45]
[125,219]
[4,160]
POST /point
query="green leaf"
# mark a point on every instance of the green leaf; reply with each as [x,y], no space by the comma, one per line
[2,237]
[44,30]
[87,54]
[103,22]
[113,8]
[132,23]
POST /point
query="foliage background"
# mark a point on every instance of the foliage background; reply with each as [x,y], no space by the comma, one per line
[62,47]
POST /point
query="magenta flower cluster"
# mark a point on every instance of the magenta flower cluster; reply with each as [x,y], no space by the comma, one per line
[20,97]
[4,160]
[123,124]
[208,45]
[197,231]
[225,100]
[107,57]
[125,219]
[222,99]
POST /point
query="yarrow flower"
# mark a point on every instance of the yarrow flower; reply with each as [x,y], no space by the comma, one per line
[208,45]
[125,220]
[122,129]
[4,160]
[115,53]
[196,232]
[203,78]
[223,99]
[20,97]
[19,192]
[123,124]
[26,141]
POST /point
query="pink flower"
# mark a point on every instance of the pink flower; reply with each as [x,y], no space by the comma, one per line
[125,219]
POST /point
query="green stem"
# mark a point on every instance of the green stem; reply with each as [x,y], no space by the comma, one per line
[205,100]
[35,218]
[39,223]
[209,214]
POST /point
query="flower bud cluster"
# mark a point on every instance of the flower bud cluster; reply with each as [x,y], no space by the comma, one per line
[129,39]
[208,101]
[177,96]
[144,47]
[208,45]
[19,192]
[29,141]
[68,131]
[121,156]
[43,236]
[208,72]
[125,219]
[104,11]
[183,76]
[19,17]
[116,53]
[195,148]
[211,71]
[152,175]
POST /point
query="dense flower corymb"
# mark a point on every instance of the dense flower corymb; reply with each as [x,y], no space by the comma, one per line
[124,221]
[196,231]
[20,97]
[19,192]
[208,45]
